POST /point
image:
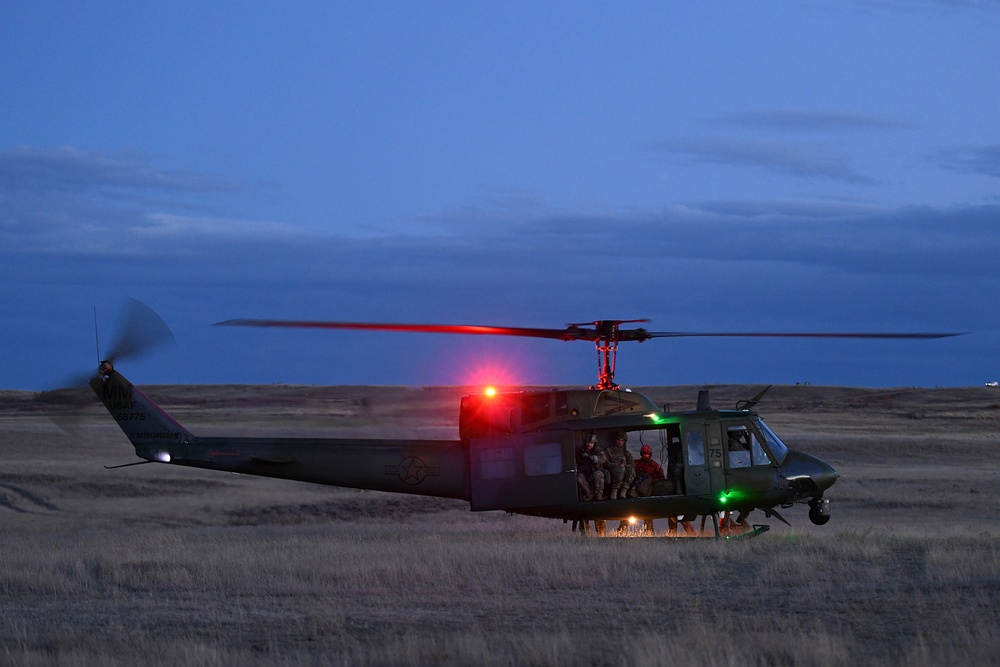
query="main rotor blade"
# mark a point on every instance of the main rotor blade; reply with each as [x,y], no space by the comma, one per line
[569,333]
[746,334]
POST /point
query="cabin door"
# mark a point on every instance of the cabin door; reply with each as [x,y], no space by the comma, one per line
[703,453]
[696,477]
[523,470]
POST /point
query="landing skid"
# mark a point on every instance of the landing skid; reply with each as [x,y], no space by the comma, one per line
[757,529]
[734,533]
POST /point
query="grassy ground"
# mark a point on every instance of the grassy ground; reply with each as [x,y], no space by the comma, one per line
[160,565]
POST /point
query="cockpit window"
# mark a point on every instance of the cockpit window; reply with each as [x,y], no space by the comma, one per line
[774,443]
[738,444]
[760,457]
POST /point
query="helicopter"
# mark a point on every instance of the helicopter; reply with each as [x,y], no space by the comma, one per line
[518,451]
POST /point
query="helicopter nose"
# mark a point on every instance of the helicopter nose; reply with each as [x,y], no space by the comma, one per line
[803,467]
[826,476]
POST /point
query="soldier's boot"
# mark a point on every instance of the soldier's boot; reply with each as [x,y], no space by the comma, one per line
[632,493]
[614,494]
[599,488]
[627,484]
[586,493]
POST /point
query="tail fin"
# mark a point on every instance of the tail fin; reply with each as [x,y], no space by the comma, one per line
[148,427]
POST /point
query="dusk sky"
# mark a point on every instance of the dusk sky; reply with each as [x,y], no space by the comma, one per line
[735,166]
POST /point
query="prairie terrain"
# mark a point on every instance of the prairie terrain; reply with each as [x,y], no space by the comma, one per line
[161,565]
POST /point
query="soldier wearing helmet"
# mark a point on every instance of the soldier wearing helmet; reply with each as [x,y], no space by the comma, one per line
[621,466]
[590,460]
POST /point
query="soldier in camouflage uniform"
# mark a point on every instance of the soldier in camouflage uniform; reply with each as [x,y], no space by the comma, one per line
[590,460]
[621,465]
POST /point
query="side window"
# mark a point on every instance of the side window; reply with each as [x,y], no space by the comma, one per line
[543,459]
[696,448]
[497,463]
[738,444]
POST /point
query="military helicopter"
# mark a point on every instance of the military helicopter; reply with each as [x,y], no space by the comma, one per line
[518,451]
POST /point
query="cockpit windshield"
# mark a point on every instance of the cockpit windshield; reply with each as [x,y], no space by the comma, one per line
[774,443]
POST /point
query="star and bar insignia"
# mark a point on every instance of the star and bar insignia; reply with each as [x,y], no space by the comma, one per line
[412,470]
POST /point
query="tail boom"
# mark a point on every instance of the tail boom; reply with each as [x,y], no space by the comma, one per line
[421,467]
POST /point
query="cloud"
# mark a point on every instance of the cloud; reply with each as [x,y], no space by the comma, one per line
[505,246]
[809,121]
[840,237]
[784,158]
[59,210]
[68,169]
[793,208]
[64,200]
[972,160]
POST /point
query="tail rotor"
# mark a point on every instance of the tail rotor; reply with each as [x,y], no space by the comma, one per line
[141,331]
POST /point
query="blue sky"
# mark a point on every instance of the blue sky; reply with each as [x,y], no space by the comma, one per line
[822,166]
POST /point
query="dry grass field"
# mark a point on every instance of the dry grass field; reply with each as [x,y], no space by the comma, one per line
[159,565]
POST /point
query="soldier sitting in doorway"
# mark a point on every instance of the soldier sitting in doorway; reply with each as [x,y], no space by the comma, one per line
[621,466]
[590,460]
[647,473]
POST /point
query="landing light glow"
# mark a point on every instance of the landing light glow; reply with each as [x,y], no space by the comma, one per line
[490,391]
[163,457]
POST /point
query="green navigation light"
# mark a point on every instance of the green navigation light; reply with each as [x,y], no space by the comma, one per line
[731,496]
